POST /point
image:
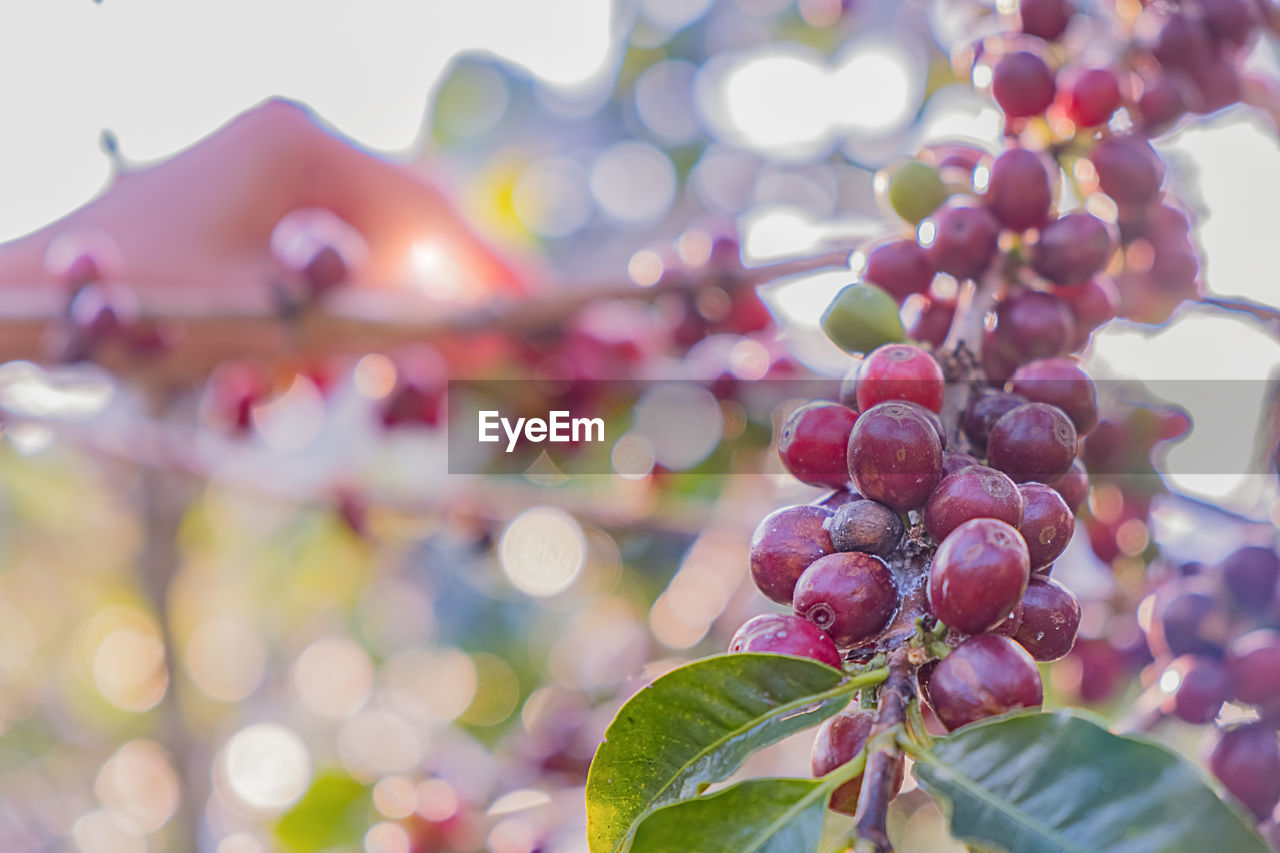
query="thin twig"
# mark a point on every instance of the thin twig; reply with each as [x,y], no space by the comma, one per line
[880,781]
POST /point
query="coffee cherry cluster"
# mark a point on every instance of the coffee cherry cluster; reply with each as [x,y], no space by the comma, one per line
[1215,635]
[920,539]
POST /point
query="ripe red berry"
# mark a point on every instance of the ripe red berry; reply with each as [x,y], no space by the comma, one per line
[973,492]
[1129,170]
[953,462]
[1092,96]
[813,441]
[1046,19]
[1230,21]
[785,634]
[895,455]
[965,240]
[1162,103]
[929,320]
[1187,620]
[866,526]
[1253,662]
[1011,623]
[839,739]
[978,576]
[985,676]
[324,270]
[901,372]
[783,546]
[1073,486]
[1050,619]
[1202,687]
[1246,761]
[1072,249]
[1022,84]
[1059,382]
[1047,524]
[1092,303]
[850,595]
[1019,191]
[1033,442]
[1250,574]
[984,409]
[900,267]
[1032,324]
[1179,42]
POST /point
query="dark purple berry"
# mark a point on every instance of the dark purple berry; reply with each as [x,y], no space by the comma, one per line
[784,545]
[965,240]
[985,676]
[978,576]
[1033,324]
[813,441]
[984,410]
[849,595]
[1203,685]
[1072,249]
[839,739]
[1019,191]
[1250,574]
[1050,619]
[1253,662]
[785,634]
[895,455]
[1246,761]
[1022,84]
[973,492]
[1033,442]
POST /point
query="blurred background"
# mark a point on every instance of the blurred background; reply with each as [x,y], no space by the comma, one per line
[303,633]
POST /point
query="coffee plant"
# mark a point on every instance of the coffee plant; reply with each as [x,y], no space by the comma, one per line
[920,591]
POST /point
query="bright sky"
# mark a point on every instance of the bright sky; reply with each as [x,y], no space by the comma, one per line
[163,73]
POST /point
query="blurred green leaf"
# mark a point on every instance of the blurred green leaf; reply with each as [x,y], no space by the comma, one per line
[1052,782]
[333,812]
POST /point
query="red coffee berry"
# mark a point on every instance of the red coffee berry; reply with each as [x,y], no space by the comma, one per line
[1187,620]
[1022,84]
[1059,382]
[1129,170]
[783,546]
[1250,574]
[813,441]
[895,455]
[953,462]
[973,492]
[850,595]
[1072,248]
[965,240]
[985,676]
[900,267]
[1047,523]
[839,739]
[1092,96]
[1073,486]
[1246,761]
[1019,191]
[1032,324]
[978,576]
[1202,687]
[1046,19]
[1050,619]
[984,409]
[785,634]
[1033,442]
[929,320]
[901,372]
[1253,662]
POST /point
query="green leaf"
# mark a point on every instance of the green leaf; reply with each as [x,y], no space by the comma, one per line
[757,816]
[695,725]
[1041,782]
[333,812]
